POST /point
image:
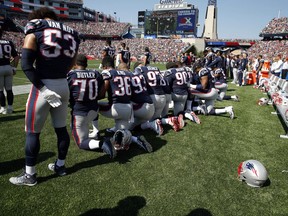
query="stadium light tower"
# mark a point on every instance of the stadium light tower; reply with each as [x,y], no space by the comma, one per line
[210,26]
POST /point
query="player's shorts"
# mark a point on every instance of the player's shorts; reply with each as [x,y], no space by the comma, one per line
[212,94]
[142,113]
[121,113]
[166,108]
[179,102]
[221,86]
[6,77]
[80,126]
[159,102]
[37,108]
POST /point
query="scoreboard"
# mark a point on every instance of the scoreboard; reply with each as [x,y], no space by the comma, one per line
[176,22]
[170,17]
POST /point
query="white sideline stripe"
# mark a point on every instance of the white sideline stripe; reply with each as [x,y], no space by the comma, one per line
[20,78]
[21,89]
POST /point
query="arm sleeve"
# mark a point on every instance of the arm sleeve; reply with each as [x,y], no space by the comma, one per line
[213,63]
[27,61]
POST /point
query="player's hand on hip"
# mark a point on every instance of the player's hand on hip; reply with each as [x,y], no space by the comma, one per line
[51,97]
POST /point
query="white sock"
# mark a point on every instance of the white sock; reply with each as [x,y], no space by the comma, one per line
[233,97]
[95,125]
[220,111]
[60,162]
[195,108]
[31,170]
[188,104]
[94,144]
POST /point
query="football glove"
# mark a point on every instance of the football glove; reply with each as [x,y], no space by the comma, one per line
[51,97]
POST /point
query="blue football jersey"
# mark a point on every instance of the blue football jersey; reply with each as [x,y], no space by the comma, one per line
[219,75]
[84,86]
[139,90]
[120,85]
[125,56]
[7,50]
[154,79]
[177,79]
[148,56]
[205,72]
[57,46]
[110,51]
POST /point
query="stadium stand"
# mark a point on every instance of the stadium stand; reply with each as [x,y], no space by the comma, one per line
[276,26]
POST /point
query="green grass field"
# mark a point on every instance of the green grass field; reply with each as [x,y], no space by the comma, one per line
[191,172]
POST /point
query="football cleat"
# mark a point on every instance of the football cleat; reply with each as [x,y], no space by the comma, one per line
[143,143]
[59,170]
[108,148]
[156,125]
[203,109]
[195,118]
[173,121]
[3,110]
[231,112]
[181,122]
[24,179]
[10,110]
[236,98]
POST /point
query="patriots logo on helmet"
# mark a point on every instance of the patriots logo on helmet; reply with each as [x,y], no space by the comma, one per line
[250,166]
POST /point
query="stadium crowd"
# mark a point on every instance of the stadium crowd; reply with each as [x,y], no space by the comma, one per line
[88,27]
[276,26]
[99,28]
[269,49]
[162,49]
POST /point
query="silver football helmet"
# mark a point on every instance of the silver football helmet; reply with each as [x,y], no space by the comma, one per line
[253,173]
[262,101]
[121,139]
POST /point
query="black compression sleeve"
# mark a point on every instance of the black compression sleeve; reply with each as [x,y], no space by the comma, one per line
[27,61]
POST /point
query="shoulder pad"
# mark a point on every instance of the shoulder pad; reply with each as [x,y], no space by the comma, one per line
[203,72]
[33,26]
[137,71]
[166,73]
[188,69]
[106,74]
[218,71]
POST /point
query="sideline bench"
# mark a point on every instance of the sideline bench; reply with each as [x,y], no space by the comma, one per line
[278,94]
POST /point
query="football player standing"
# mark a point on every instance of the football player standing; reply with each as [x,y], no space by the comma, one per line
[52,46]
[8,52]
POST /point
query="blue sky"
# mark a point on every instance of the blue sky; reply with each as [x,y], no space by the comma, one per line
[241,19]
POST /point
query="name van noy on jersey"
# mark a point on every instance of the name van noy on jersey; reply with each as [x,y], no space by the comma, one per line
[59,26]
